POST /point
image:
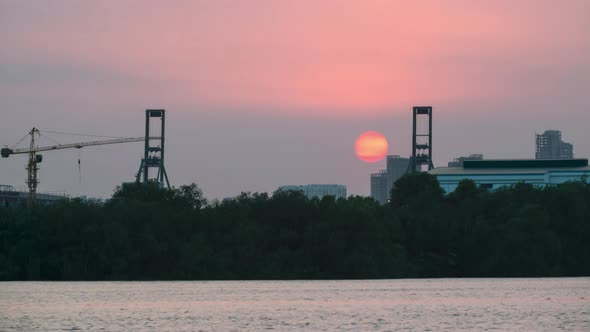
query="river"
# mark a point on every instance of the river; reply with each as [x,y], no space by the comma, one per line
[543,304]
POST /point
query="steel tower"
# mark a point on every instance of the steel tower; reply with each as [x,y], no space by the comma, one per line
[421,139]
[154,155]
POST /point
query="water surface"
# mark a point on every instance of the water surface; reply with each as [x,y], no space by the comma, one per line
[560,304]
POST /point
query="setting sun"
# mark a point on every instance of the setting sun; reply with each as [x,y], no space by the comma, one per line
[371,146]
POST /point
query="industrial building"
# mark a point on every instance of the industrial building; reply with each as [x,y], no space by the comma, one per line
[493,174]
[318,190]
[549,146]
[382,182]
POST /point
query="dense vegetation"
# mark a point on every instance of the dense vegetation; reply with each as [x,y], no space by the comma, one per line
[145,232]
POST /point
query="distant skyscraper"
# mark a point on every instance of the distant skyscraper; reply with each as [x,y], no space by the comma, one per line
[396,167]
[382,182]
[458,162]
[550,146]
[379,186]
[318,190]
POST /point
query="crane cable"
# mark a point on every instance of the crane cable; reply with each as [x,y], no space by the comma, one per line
[79,152]
[82,135]
[51,139]
[20,140]
[79,166]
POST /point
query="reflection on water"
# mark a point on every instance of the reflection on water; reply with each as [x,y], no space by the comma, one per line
[361,305]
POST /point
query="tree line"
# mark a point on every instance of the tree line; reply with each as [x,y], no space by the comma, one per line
[145,232]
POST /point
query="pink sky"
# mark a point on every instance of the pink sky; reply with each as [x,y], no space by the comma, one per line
[339,57]
[306,59]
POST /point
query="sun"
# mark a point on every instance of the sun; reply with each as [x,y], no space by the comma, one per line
[371,146]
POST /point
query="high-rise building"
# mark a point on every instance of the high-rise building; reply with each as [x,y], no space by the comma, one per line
[549,146]
[382,182]
[318,190]
[379,186]
[396,167]
[458,162]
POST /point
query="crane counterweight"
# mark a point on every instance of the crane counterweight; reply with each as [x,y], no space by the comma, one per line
[5,152]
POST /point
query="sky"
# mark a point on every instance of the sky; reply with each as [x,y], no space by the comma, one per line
[263,93]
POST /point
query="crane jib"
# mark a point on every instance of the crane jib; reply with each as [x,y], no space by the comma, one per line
[6,152]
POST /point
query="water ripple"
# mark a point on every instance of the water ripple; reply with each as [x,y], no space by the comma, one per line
[559,304]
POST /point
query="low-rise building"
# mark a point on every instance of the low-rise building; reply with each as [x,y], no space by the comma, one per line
[318,190]
[493,174]
[11,196]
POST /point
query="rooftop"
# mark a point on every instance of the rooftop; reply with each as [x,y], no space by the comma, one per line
[484,171]
[524,163]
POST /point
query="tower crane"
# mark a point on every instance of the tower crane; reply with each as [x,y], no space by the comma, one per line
[35,158]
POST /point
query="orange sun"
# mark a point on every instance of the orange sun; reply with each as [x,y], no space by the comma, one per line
[371,146]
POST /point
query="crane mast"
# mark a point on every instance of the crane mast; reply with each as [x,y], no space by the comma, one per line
[32,169]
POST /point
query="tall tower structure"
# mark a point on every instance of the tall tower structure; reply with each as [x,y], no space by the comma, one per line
[32,169]
[421,139]
[154,155]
